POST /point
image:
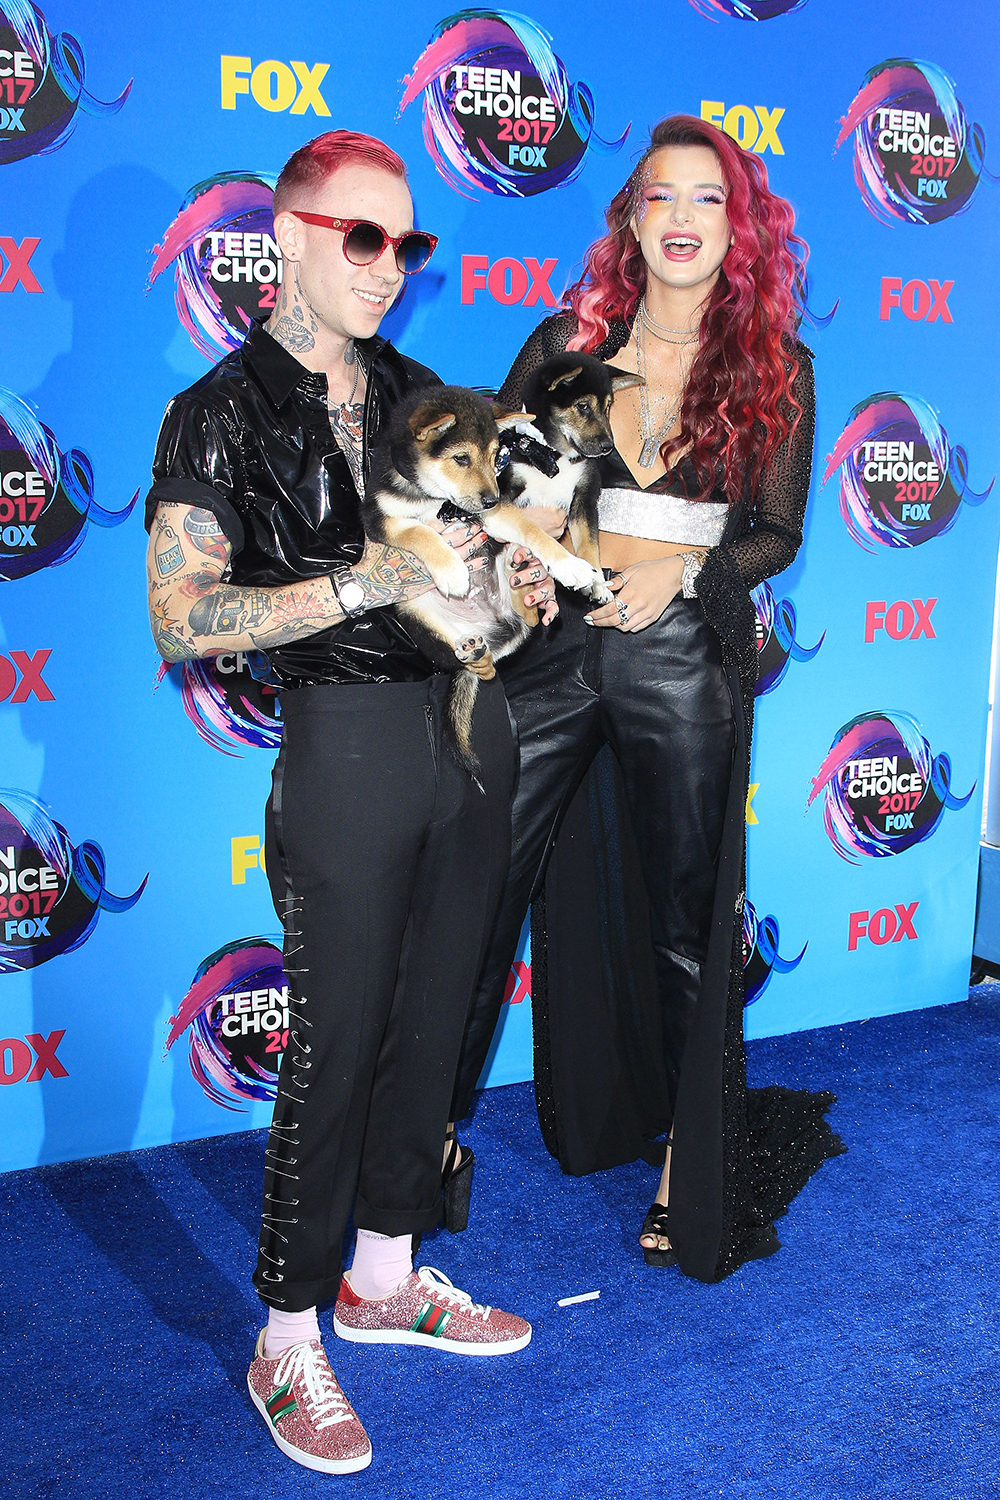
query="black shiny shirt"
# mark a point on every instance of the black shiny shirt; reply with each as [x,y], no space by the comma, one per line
[252,442]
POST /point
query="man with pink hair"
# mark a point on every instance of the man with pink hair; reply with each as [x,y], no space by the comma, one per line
[385,860]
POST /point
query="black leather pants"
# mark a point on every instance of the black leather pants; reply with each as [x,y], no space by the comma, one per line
[660,699]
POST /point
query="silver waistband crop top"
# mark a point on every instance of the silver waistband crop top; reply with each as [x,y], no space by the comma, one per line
[662,518]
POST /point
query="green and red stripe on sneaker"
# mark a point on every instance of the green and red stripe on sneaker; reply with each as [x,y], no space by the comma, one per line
[307,1413]
[427,1310]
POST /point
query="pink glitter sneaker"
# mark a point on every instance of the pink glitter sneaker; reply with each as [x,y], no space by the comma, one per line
[428,1310]
[306,1412]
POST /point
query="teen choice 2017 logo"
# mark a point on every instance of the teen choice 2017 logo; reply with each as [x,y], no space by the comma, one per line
[917,159]
[227,702]
[236,1014]
[46,496]
[776,642]
[883,788]
[761,958]
[500,113]
[746,10]
[42,84]
[901,482]
[52,891]
[226,259]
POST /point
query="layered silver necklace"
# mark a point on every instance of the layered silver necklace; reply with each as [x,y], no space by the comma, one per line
[653,436]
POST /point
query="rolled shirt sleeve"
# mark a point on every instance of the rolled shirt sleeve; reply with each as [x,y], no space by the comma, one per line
[197,463]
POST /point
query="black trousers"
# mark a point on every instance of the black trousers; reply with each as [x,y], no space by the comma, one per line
[386,864]
[660,699]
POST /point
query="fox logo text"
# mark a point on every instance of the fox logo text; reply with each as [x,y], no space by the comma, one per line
[883,788]
[500,113]
[508,281]
[275,86]
[901,481]
[227,266]
[238,1015]
[14,268]
[28,1059]
[890,924]
[906,620]
[917,159]
[43,84]
[21,677]
[754,129]
[920,301]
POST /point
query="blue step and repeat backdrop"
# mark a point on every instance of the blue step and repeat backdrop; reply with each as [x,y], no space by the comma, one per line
[141,992]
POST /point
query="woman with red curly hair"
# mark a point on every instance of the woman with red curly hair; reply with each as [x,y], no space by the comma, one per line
[637,929]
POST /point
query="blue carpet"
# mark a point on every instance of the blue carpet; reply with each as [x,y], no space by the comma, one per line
[858,1363]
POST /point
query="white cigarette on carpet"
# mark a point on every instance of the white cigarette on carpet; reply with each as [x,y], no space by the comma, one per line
[581,1297]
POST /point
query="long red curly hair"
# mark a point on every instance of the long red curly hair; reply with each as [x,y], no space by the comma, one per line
[738,405]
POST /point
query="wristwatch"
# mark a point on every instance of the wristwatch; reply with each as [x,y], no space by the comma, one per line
[692,567]
[348,593]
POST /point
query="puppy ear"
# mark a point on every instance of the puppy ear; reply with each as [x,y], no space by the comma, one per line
[622,379]
[565,379]
[427,422]
[504,417]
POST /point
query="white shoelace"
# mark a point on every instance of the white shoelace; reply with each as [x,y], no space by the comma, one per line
[326,1401]
[436,1281]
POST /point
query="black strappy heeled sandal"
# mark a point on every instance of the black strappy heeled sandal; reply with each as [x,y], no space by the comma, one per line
[456,1185]
[655,1223]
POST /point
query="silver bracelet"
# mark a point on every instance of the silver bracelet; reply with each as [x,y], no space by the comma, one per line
[692,567]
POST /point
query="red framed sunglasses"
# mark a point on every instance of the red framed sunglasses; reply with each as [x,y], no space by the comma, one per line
[364,241]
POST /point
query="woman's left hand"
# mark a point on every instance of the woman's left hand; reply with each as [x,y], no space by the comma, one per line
[643,592]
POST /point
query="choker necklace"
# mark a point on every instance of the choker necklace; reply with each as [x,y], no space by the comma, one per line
[660,331]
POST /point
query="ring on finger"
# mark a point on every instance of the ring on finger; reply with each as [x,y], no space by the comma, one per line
[622,609]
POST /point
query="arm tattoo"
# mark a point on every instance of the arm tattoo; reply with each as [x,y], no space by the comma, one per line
[168,634]
[388,575]
[169,552]
[206,534]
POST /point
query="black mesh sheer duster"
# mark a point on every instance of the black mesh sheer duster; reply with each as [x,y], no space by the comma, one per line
[739,1156]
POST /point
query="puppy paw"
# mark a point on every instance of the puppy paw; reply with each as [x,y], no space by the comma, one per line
[476,656]
[574,573]
[600,593]
[451,577]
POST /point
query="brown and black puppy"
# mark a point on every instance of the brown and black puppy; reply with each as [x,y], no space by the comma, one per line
[440,452]
[570,395]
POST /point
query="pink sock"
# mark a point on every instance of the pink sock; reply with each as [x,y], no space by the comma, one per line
[287,1328]
[381,1263]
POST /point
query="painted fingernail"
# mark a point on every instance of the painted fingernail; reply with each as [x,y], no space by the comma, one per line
[515,582]
[587,620]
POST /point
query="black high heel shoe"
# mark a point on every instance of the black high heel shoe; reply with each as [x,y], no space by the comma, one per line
[456,1185]
[655,1223]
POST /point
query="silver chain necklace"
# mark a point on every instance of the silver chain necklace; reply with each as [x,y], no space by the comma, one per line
[660,331]
[652,438]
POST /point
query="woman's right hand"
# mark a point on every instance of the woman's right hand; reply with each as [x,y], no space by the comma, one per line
[551,518]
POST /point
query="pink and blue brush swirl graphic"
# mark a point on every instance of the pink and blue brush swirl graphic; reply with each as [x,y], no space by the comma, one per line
[236,1016]
[777,645]
[883,788]
[917,159]
[901,481]
[761,958]
[217,315]
[40,530]
[223,708]
[52,891]
[476,146]
[746,10]
[38,113]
